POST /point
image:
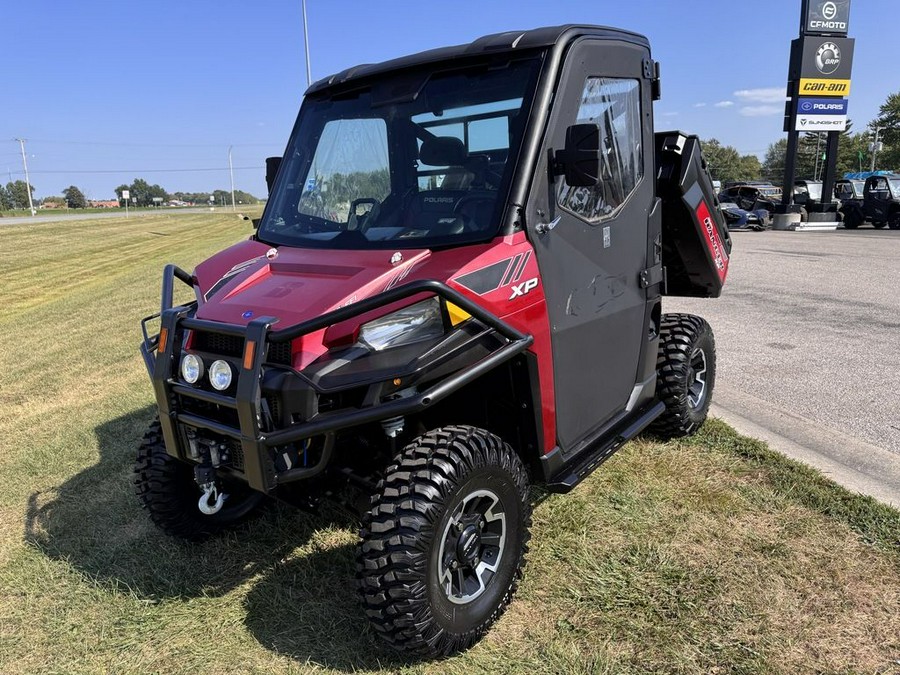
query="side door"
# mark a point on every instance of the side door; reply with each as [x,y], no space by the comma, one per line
[878,198]
[592,258]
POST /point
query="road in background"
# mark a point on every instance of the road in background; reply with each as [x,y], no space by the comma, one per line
[113,213]
[808,338]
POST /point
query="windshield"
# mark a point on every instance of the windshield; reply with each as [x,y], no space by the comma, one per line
[814,190]
[416,160]
[895,186]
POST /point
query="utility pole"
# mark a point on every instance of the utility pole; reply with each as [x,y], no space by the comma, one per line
[306,45]
[27,181]
[875,147]
[231,171]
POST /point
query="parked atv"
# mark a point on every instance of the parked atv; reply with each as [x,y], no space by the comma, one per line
[880,204]
[454,293]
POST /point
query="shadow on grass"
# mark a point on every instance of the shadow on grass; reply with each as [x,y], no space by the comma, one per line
[307,609]
[303,603]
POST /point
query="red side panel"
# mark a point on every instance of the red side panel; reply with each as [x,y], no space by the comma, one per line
[714,244]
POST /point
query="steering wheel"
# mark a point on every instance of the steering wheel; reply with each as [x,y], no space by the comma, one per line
[469,223]
[369,217]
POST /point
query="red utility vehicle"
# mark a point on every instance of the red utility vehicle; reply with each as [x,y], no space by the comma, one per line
[454,292]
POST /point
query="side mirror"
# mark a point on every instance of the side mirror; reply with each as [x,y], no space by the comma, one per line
[579,161]
[254,221]
[272,164]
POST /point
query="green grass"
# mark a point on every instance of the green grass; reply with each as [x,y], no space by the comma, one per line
[709,555]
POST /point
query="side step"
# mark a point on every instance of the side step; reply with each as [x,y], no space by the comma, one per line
[597,453]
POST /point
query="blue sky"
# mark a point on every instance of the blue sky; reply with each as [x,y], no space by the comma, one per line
[108,91]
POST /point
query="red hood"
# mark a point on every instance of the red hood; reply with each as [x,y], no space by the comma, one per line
[297,284]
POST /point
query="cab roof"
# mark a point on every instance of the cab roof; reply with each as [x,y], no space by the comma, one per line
[509,41]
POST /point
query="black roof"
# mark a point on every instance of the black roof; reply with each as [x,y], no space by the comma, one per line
[510,41]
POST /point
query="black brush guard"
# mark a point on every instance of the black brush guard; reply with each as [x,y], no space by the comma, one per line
[259,468]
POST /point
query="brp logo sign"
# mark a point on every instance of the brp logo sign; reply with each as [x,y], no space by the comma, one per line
[829,11]
[828,58]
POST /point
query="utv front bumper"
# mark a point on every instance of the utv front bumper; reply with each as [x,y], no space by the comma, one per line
[241,414]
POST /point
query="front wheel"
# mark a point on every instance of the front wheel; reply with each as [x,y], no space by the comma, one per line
[166,488]
[686,374]
[443,547]
[894,220]
[852,220]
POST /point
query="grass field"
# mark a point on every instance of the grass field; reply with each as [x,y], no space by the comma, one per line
[713,555]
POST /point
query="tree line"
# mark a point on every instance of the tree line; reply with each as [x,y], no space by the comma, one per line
[14,196]
[726,163]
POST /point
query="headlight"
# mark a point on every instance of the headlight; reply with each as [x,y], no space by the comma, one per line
[220,375]
[420,321]
[191,368]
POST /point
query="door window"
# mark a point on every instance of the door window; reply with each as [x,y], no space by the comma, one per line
[614,105]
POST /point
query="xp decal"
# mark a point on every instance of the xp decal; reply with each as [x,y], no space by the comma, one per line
[496,275]
[523,288]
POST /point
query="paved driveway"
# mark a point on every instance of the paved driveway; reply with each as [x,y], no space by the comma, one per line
[808,335]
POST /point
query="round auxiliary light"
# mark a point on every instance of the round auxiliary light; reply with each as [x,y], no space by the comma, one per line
[220,375]
[191,368]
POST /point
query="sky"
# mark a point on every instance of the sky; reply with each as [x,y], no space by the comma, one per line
[104,92]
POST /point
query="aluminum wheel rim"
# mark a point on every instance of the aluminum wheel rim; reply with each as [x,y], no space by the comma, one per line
[471,547]
[697,379]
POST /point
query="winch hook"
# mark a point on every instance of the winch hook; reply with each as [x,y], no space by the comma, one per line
[211,500]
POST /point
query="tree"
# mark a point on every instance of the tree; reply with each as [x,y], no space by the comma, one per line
[889,120]
[240,197]
[74,197]
[17,193]
[773,164]
[726,163]
[142,193]
[54,202]
[810,153]
[5,199]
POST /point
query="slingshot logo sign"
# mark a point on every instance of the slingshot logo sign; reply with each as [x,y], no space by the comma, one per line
[828,58]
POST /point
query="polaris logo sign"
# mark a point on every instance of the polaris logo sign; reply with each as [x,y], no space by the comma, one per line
[827,17]
[822,106]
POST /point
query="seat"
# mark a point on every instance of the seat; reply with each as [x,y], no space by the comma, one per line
[448,151]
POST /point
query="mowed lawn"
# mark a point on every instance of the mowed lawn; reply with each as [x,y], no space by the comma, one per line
[712,555]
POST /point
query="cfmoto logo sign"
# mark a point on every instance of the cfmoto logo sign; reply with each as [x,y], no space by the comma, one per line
[829,11]
[828,58]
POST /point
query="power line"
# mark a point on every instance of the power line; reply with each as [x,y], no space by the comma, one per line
[218,168]
[154,145]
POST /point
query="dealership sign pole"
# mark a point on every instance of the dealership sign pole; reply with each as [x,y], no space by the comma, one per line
[818,87]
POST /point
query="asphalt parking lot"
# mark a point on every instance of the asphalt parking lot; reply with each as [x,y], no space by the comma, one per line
[808,341]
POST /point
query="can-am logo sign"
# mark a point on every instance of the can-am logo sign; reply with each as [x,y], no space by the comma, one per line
[828,58]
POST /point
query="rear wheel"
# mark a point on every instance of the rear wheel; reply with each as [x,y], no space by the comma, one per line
[686,368]
[894,220]
[443,547]
[166,488]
